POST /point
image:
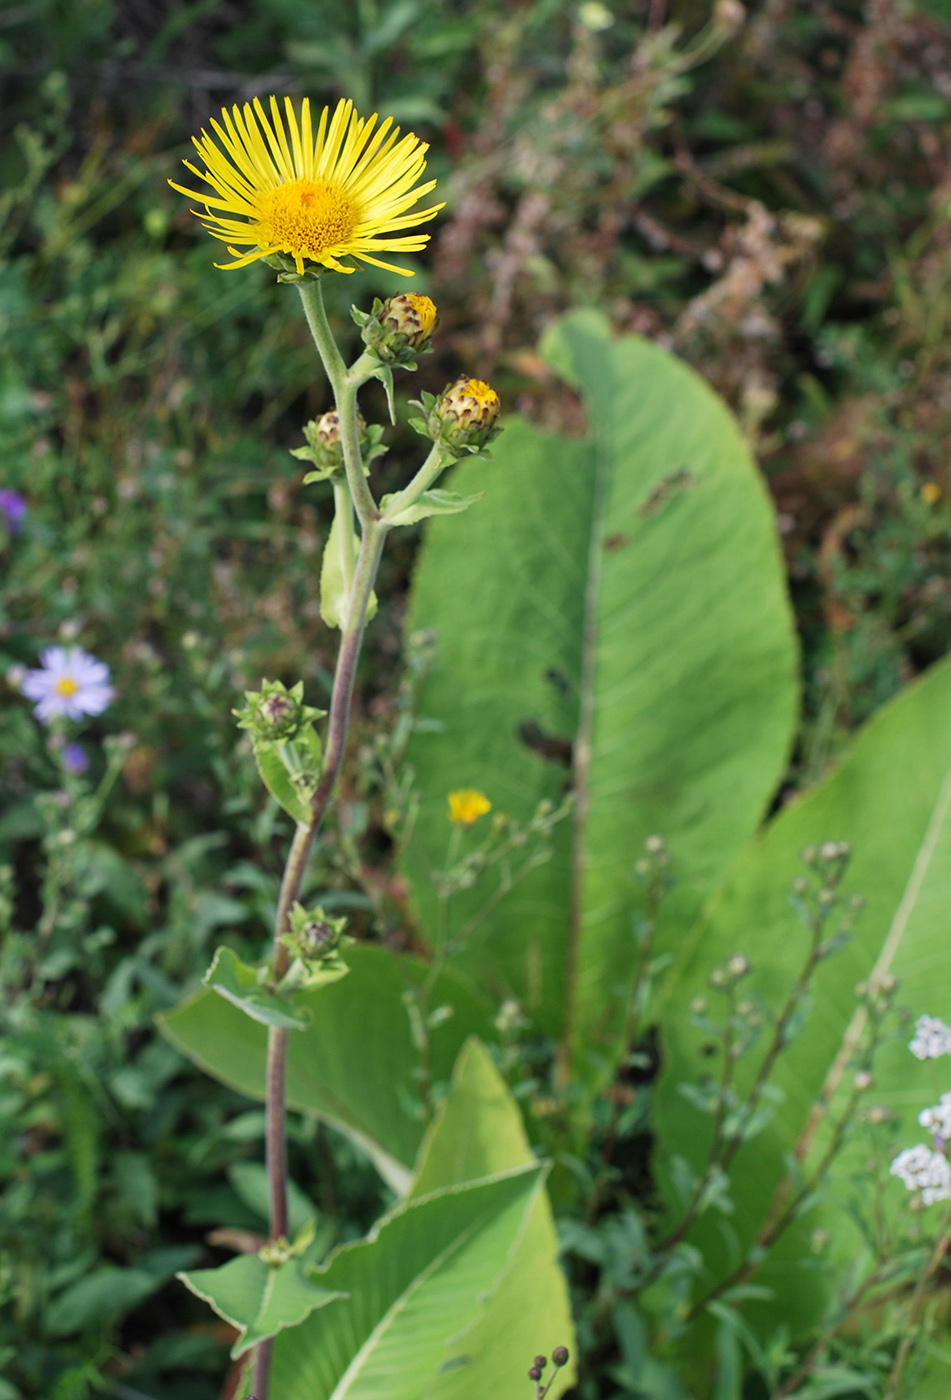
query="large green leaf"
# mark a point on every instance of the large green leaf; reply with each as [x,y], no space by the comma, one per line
[891,799]
[355,1063]
[416,1286]
[623,591]
[477,1133]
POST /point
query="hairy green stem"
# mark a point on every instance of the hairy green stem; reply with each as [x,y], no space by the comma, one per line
[433,466]
[363,575]
[345,385]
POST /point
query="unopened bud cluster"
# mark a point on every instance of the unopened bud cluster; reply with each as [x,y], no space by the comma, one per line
[736,967]
[275,714]
[395,331]
[559,1358]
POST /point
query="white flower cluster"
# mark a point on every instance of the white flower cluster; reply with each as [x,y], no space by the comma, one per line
[932,1038]
[922,1169]
[938,1118]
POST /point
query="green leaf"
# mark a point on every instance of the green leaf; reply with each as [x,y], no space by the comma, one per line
[890,798]
[259,1299]
[416,1286]
[241,985]
[434,502]
[334,589]
[622,592]
[355,1064]
[277,779]
[478,1132]
[109,1292]
[103,1296]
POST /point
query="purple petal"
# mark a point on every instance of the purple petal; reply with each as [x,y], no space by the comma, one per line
[36,684]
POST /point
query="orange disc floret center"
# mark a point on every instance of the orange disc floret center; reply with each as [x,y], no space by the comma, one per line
[306,217]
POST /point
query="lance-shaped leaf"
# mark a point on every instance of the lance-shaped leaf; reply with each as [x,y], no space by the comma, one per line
[355,1064]
[290,770]
[890,798]
[415,1287]
[479,1131]
[433,502]
[245,987]
[334,588]
[620,597]
[240,984]
[260,1299]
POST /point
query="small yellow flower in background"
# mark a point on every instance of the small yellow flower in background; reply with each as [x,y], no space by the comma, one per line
[467,806]
[341,193]
[931,492]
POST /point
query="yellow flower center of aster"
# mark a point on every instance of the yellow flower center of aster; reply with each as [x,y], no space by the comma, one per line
[305,216]
[425,310]
[66,686]
[467,806]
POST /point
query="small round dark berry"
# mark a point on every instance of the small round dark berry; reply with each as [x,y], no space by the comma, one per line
[541,1361]
[560,1356]
[535,1374]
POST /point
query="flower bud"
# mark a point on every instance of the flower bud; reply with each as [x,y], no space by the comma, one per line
[274,713]
[862,1081]
[315,938]
[324,447]
[535,1373]
[541,1361]
[560,1356]
[398,329]
[411,316]
[465,414]
[738,966]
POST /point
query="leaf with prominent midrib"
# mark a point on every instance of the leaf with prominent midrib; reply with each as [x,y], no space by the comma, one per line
[891,800]
[416,1284]
[622,594]
[479,1131]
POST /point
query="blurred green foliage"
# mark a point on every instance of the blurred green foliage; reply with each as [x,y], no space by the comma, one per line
[766,194]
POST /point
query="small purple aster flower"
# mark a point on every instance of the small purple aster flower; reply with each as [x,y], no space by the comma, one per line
[13,509]
[75,759]
[69,682]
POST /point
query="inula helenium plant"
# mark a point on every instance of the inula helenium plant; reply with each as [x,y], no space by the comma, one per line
[305,202]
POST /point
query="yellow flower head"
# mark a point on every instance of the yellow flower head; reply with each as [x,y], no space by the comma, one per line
[467,806]
[424,309]
[342,193]
[931,492]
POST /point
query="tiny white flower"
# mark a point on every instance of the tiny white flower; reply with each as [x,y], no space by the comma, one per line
[932,1038]
[938,1118]
[922,1169]
[69,682]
